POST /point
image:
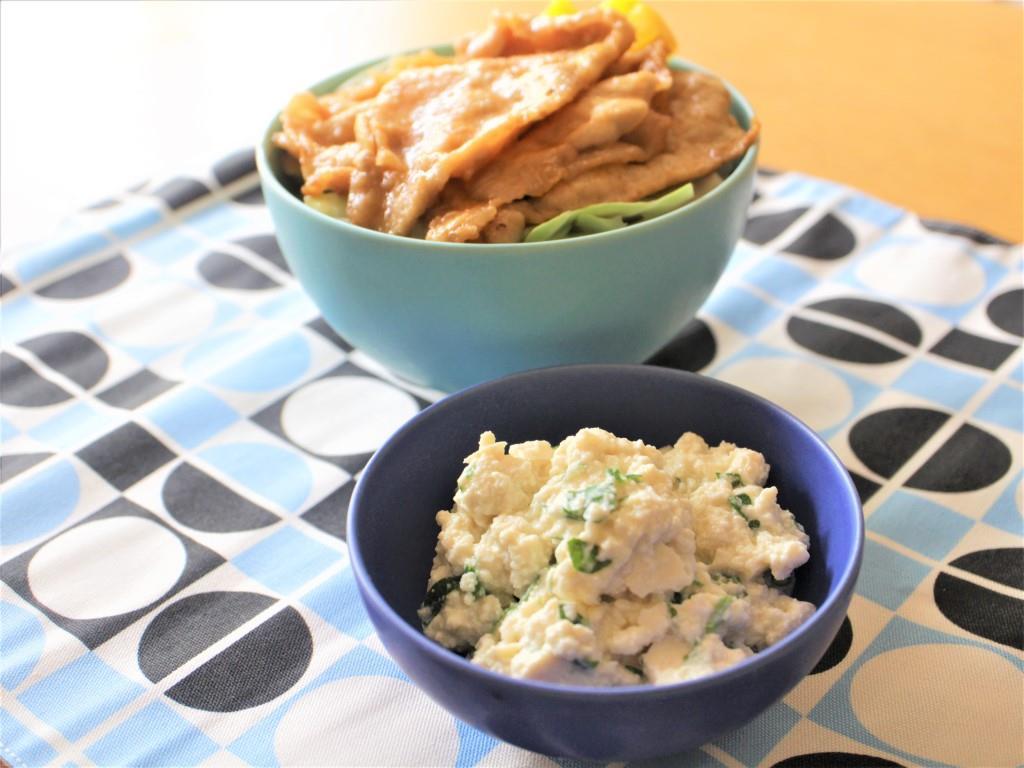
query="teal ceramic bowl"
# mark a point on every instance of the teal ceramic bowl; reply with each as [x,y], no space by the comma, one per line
[449,315]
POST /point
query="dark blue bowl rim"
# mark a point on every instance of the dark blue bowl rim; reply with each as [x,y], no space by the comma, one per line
[459,665]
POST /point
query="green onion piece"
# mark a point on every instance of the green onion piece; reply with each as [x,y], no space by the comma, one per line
[467,475]
[672,610]
[612,214]
[688,592]
[584,663]
[601,495]
[552,229]
[584,559]
[328,203]
[718,613]
[589,224]
[438,592]
[618,477]
[480,590]
[563,615]
[635,670]
[732,477]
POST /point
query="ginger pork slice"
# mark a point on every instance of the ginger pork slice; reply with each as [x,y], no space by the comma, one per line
[701,137]
[583,134]
[320,131]
[429,125]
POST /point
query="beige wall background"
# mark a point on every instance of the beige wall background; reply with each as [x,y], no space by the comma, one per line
[919,103]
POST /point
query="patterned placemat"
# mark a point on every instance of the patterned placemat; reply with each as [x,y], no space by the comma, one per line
[182,433]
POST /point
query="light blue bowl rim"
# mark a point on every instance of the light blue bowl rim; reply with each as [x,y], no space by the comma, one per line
[844,585]
[270,180]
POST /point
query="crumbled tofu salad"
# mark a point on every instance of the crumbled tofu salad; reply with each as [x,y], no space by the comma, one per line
[607,561]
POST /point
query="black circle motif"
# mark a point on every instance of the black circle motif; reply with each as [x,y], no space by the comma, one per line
[1006,311]
[226,271]
[91,281]
[1003,566]
[768,226]
[25,388]
[197,500]
[692,349]
[837,650]
[980,611]
[265,246]
[836,760]
[886,440]
[840,343]
[826,239]
[189,626]
[970,459]
[73,354]
[254,670]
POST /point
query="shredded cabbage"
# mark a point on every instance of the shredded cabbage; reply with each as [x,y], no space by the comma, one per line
[604,217]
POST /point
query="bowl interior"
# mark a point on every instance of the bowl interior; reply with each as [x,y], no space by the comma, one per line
[392,529]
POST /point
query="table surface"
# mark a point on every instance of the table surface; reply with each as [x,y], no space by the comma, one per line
[174,580]
[919,104]
[182,435]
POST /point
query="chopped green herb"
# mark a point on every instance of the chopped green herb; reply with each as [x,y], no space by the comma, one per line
[688,592]
[618,477]
[438,592]
[584,559]
[584,663]
[480,590]
[672,612]
[577,619]
[718,613]
[467,475]
[720,577]
[732,477]
[737,503]
[635,670]
[601,496]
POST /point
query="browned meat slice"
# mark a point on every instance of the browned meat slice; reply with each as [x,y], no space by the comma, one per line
[506,227]
[616,152]
[513,34]
[702,137]
[650,58]
[429,125]
[310,126]
[580,135]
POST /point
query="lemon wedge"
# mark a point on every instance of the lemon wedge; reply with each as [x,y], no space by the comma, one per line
[647,22]
[559,8]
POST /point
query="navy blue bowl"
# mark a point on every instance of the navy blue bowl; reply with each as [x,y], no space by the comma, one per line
[392,534]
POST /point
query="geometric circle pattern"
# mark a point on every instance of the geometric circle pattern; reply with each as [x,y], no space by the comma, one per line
[182,435]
